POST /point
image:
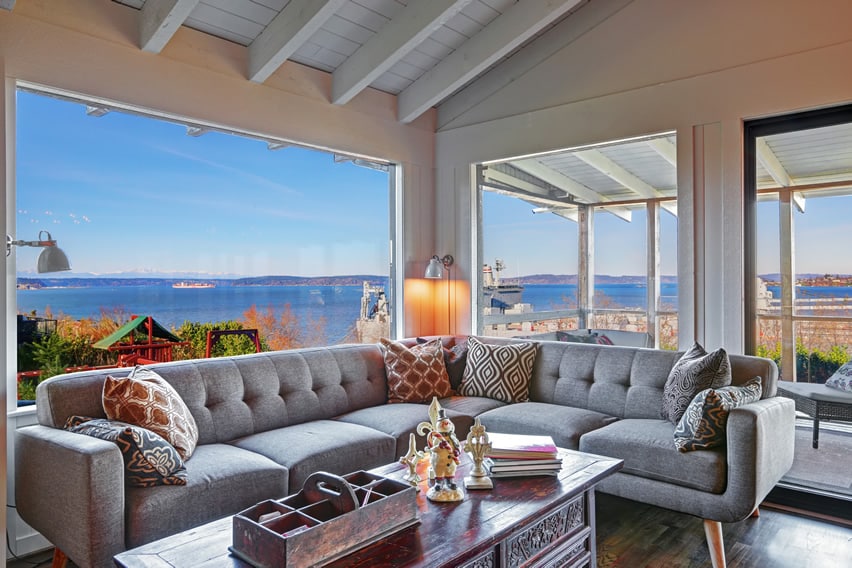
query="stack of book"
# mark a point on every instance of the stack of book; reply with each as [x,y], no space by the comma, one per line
[520,455]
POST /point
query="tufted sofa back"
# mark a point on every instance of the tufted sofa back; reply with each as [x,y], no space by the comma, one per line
[230,397]
[626,382]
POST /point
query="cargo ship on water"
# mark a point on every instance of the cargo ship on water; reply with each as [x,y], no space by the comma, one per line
[495,292]
[192,285]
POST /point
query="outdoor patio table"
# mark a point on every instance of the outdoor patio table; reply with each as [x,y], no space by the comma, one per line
[818,402]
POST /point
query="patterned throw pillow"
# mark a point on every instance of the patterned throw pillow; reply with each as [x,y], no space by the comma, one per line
[695,371]
[415,374]
[842,378]
[455,357]
[149,460]
[145,399]
[703,424]
[501,372]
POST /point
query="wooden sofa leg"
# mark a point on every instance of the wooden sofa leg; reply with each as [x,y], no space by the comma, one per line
[713,531]
[756,513]
[59,559]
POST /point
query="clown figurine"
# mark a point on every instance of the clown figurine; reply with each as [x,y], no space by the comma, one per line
[444,450]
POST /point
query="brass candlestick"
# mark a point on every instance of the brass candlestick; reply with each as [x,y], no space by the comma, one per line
[477,445]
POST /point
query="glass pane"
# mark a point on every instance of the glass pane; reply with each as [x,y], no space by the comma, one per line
[213,232]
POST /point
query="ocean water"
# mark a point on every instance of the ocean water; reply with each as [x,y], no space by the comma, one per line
[339,305]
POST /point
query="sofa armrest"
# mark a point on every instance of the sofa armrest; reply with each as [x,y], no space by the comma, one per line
[70,488]
[761,442]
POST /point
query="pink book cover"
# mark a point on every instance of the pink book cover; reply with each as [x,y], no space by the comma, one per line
[520,445]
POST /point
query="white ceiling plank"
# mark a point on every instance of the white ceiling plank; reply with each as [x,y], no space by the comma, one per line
[568,185]
[563,34]
[292,27]
[159,20]
[505,33]
[396,39]
[609,168]
[7,4]
[776,170]
[665,149]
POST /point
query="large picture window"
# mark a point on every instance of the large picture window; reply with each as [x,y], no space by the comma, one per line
[580,244]
[189,229]
[798,185]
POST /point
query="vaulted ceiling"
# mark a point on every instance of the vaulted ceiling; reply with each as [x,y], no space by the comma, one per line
[423,51]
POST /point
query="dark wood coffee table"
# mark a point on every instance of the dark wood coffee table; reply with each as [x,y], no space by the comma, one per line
[529,521]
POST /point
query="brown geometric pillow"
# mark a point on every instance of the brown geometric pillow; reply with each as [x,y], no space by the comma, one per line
[455,357]
[147,400]
[415,374]
[501,372]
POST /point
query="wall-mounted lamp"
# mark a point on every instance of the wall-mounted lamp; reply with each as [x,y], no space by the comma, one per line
[51,259]
[437,265]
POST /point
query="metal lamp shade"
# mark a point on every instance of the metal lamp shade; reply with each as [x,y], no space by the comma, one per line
[435,269]
[52,259]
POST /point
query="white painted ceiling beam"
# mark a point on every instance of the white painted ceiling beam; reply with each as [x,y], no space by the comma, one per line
[499,38]
[398,37]
[665,149]
[776,170]
[572,214]
[610,169]
[287,32]
[159,20]
[522,189]
[7,4]
[564,33]
[569,185]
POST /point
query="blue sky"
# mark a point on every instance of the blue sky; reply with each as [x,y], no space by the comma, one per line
[129,194]
[123,193]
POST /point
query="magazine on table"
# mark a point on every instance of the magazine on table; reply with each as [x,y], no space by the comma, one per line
[521,446]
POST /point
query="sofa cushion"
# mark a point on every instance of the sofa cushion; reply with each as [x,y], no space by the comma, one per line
[145,399]
[149,460]
[400,420]
[501,372]
[647,449]
[470,405]
[703,424]
[221,480]
[416,373]
[322,445]
[695,371]
[564,424]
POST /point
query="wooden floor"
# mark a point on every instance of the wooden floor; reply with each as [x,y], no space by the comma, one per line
[633,535]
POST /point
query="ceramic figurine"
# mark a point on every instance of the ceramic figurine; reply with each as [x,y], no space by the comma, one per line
[410,459]
[444,448]
[425,427]
[477,445]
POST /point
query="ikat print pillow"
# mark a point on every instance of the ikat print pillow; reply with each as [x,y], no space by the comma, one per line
[455,358]
[501,372]
[146,399]
[149,460]
[695,371]
[416,373]
[842,378]
[703,424]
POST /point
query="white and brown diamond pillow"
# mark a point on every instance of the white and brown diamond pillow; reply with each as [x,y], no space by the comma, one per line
[501,372]
[416,373]
[146,399]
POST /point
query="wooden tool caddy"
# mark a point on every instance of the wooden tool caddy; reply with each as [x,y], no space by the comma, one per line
[330,517]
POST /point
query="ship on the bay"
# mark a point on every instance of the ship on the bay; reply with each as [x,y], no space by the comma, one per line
[495,292]
[193,285]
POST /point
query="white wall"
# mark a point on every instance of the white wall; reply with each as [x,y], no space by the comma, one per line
[699,68]
[89,47]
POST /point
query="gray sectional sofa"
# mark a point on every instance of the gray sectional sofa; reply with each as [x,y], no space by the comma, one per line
[268,420]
